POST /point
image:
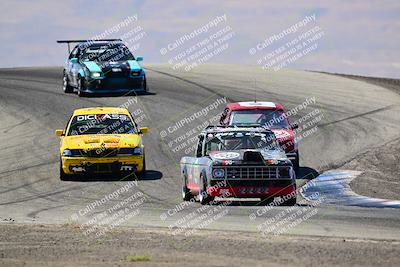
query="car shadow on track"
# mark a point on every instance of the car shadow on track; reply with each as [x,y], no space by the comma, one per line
[307,173]
[249,203]
[149,175]
[118,95]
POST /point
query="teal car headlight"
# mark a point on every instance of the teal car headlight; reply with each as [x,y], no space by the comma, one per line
[136,72]
[218,173]
[95,74]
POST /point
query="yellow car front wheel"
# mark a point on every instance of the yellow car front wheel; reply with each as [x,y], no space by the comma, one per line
[63,175]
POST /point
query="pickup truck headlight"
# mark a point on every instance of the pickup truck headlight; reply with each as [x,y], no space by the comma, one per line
[95,74]
[218,173]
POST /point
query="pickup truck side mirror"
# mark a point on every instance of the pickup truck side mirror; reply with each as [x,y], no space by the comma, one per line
[139,58]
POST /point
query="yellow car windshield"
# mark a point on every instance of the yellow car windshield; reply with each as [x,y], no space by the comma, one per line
[101,124]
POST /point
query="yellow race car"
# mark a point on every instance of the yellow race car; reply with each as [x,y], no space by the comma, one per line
[101,140]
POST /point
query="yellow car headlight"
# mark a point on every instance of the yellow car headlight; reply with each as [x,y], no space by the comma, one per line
[71,153]
[130,151]
[67,153]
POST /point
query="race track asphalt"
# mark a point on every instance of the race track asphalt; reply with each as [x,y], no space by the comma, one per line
[356,117]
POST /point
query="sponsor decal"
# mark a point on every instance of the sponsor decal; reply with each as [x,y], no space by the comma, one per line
[257,104]
[226,155]
[100,117]
[280,134]
[253,190]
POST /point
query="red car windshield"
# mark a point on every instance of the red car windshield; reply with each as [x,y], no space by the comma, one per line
[269,118]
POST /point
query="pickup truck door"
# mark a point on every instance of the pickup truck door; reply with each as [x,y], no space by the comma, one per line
[195,168]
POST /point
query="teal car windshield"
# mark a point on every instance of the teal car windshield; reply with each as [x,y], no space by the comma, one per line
[107,53]
[240,140]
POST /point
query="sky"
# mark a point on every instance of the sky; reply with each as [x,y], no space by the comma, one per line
[356,37]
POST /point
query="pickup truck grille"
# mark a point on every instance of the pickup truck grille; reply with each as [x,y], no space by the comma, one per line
[257,172]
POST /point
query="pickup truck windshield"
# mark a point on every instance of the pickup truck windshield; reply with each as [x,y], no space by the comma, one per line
[240,140]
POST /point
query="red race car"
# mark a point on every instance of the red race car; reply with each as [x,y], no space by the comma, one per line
[269,114]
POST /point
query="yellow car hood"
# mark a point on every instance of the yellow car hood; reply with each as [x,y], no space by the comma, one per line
[86,142]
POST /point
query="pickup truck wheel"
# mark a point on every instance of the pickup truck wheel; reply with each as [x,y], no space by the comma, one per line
[204,198]
[186,195]
[185,192]
[290,202]
[266,200]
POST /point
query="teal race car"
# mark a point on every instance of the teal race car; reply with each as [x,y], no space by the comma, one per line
[102,67]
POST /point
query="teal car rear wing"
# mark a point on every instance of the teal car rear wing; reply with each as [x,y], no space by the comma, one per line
[86,41]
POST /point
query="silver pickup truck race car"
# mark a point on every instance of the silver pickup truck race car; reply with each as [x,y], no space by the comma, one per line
[238,162]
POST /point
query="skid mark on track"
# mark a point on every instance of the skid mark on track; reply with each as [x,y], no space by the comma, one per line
[333,187]
[35,213]
[27,167]
[60,93]
[16,125]
[41,196]
[29,80]
[358,115]
[192,82]
[24,185]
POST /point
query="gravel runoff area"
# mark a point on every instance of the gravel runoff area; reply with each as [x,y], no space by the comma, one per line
[380,164]
[66,245]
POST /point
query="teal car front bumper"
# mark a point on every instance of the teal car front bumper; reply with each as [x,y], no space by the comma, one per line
[109,85]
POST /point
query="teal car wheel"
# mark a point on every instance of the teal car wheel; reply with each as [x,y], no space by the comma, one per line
[81,87]
[66,87]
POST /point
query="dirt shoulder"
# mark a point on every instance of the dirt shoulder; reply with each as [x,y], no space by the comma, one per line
[381,172]
[381,177]
[50,245]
